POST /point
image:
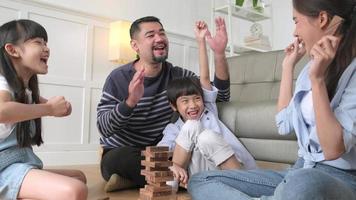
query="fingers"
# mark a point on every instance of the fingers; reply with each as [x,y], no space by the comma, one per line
[138,77]
[325,48]
[220,23]
[200,25]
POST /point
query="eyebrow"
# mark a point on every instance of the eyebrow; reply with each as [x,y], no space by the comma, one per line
[149,32]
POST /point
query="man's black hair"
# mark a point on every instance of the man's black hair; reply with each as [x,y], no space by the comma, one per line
[135,26]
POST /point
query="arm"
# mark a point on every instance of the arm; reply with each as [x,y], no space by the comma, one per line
[201,30]
[13,112]
[218,45]
[329,130]
[181,159]
[170,134]
[293,54]
[116,105]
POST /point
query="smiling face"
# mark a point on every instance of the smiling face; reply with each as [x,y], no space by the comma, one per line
[308,30]
[32,57]
[151,42]
[190,107]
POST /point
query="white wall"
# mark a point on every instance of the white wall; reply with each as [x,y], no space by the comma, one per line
[178,16]
[78,66]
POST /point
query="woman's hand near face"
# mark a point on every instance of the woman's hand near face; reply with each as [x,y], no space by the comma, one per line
[322,53]
[294,52]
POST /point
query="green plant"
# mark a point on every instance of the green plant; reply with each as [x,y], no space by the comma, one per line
[239,2]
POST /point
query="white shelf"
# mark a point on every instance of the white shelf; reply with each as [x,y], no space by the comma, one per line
[243,49]
[243,13]
[249,14]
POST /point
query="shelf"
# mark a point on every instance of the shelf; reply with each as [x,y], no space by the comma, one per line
[243,49]
[243,13]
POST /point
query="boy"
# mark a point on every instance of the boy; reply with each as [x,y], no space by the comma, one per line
[200,140]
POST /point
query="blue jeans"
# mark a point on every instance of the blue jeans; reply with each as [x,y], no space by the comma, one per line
[320,182]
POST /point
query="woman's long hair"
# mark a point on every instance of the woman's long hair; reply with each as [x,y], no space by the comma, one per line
[347,47]
[16,32]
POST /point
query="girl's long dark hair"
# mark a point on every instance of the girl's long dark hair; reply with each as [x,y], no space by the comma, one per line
[347,47]
[16,32]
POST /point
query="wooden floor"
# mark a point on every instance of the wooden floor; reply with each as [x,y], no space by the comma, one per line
[96,186]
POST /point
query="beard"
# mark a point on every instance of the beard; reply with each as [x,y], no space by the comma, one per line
[160,59]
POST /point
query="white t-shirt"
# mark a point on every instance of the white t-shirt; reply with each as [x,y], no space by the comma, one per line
[5,128]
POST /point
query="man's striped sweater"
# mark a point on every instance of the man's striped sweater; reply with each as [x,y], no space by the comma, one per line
[120,125]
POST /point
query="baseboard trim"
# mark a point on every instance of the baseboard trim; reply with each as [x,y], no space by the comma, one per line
[69,158]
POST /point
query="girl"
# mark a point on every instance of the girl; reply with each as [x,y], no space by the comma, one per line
[322,112]
[23,55]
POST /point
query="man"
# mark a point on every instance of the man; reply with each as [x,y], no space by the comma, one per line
[134,110]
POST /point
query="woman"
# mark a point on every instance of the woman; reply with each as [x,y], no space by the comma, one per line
[322,113]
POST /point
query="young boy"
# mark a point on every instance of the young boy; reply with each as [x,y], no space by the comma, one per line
[200,140]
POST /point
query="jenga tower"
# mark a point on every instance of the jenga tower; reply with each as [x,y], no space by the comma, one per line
[157,173]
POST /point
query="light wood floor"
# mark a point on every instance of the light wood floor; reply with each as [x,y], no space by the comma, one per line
[96,186]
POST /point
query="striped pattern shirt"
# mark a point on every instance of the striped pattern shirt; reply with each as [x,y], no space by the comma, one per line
[120,125]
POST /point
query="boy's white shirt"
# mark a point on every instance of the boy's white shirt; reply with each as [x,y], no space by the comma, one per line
[5,128]
[210,120]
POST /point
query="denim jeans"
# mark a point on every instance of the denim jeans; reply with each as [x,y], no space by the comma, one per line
[320,182]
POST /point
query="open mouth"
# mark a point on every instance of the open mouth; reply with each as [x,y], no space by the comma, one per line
[160,48]
[44,60]
[193,114]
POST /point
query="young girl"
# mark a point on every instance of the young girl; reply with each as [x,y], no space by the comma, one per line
[202,141]
[322,112]
[23,55]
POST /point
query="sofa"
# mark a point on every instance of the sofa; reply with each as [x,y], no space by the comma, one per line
[250,114]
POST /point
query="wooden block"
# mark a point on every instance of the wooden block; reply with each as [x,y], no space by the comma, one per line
[163,154]
[158,184]
[158,179]
[156,173]
[154,194]
[156,163]
[147,168]
[157,148]
[158,189]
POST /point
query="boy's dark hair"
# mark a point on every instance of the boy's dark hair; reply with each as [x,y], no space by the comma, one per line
[182,87]
[16,32]
[135,26]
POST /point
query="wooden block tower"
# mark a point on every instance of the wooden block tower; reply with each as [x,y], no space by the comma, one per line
[157,173]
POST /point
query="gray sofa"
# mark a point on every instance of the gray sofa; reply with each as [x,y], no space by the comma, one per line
[255,80]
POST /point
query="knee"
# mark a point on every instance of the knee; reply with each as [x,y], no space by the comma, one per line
[208,138]
[303,184]
[81,176]
[76,190]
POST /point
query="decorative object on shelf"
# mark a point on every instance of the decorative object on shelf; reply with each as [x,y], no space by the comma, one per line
[256,5]
[257,39]
[239,2]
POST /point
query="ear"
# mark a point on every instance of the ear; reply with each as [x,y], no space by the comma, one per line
[134,45]
[173,107]
[323,20]
[12,50]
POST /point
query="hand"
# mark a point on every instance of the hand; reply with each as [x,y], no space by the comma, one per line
[59,107]
[294,53]
[219,41]
[201,30]
[179,173]
[136,88]
[322,54]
